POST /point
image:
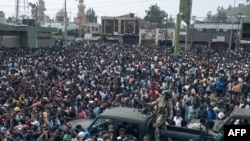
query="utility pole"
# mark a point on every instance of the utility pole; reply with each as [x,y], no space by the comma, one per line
[238,28]
[166,36]
[65,24]
[177,34]
[17,10]
[231,34]
[183,15]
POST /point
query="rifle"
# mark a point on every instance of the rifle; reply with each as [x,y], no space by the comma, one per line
[142,107]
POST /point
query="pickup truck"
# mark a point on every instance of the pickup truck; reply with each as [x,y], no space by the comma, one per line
[139,125]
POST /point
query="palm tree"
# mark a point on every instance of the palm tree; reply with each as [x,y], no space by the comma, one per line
[33,9]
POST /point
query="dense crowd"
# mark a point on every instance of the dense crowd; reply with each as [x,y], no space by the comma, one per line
[44,88]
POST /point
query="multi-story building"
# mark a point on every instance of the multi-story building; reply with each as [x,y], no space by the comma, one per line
[125,24]
[125,28]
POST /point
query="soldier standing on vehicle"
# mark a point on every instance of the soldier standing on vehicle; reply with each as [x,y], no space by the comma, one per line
[162,112]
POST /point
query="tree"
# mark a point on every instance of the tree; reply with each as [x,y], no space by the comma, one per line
[90,15]
[34,10]
[229,7]
[222,15]
[156,15]
[240,4]
[171,22]
[10,19]
[209,16]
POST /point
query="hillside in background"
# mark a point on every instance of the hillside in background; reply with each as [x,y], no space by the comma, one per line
[243,9]
[230,14]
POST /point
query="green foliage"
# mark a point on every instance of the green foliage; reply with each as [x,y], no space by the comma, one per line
[220,16]
[91,16]
[225,15]
[34,10]
[171,22]
[10,19]
[156,15]
[75,32]
[59,32]
[243,9]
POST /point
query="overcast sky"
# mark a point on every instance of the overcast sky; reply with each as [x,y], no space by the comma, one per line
[119,7]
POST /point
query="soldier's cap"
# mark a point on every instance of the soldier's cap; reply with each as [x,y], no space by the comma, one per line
[167,92]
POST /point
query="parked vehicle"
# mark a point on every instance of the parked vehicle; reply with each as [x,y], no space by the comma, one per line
[140,125]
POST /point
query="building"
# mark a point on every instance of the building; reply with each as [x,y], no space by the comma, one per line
[205,34]
[126,28]
[126,24]
[25,36]
[79,22]
[81,17]
[59,22]
[2,17]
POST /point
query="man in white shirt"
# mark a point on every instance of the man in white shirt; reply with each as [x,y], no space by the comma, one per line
[189,123]
[177,119]
[221,114]
[200,126]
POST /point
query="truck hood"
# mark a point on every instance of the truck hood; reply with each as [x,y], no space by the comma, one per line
[85,123]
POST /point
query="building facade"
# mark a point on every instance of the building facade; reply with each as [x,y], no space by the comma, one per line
[126,24]
[2,17]
[204,34]
[58,22]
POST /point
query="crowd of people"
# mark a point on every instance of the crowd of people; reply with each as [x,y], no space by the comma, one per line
[44,88]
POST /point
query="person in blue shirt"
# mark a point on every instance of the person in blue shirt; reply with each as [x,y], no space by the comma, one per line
[211,115]
[220,86]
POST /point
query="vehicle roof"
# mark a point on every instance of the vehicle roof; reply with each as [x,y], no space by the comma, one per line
[125,114]
[238,114]
[241,113]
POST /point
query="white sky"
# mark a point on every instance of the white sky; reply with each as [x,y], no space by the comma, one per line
[120,7]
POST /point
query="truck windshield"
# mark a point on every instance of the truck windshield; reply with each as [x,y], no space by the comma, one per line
[100,124]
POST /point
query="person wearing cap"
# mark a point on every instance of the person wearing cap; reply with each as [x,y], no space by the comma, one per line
[35,128]
[35,123]
[17,109]
[162,112]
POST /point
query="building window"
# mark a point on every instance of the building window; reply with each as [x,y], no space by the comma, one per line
[109,26]
[130,27]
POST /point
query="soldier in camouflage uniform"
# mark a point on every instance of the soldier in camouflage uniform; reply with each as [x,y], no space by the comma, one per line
[162,112]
